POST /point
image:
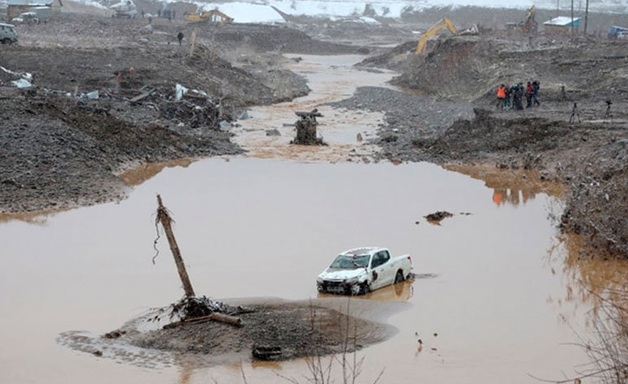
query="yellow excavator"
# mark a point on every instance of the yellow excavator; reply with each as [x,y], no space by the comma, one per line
[528,25]
[214,16]
[444,23]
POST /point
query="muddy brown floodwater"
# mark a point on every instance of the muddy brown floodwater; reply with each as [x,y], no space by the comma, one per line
[493,300]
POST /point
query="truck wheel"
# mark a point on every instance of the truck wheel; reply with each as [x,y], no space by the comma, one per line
[399,277]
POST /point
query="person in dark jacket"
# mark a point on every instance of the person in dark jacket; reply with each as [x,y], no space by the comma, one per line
[529,92]
[517,99]
[507,103]
[535,92]
[180,37]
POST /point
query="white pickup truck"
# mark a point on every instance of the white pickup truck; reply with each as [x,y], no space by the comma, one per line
[360,270]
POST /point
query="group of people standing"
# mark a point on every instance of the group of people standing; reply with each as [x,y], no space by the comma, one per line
[512,97]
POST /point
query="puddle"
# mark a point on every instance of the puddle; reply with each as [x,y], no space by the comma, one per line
[266,228]
[492,300]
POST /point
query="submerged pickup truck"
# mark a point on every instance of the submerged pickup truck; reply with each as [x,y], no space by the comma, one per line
[361,270]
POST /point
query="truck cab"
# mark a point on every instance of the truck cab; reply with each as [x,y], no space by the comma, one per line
[8,35]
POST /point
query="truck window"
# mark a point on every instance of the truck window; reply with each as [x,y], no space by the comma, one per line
[380,258]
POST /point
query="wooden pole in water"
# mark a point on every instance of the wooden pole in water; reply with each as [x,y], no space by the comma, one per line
[166,221]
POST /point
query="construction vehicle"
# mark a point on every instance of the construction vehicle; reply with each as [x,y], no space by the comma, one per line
[528,25]
[124,9]
[213,16]
[444,23]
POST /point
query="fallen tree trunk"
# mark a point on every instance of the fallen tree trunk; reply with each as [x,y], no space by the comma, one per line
[215,316]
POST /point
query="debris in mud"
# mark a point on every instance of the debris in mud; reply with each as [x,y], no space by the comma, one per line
[306,128]
[266,353]
[194,307]
[436,217]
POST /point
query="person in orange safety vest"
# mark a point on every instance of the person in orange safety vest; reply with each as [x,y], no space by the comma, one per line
[501,96]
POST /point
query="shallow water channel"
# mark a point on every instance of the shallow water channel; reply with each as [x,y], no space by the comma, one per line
[492,302]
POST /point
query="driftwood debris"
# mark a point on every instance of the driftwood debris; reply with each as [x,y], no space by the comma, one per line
[266,353]
[306,128]
[214,316]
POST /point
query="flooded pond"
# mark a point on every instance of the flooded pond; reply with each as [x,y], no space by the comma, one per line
[493,300]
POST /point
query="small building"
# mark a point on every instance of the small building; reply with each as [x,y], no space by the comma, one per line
[561,25]
[16,7]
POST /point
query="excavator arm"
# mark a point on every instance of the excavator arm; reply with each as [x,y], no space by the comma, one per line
[209,16]
[432,31]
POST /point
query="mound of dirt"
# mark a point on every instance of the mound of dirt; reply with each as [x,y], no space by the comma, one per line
[269,330]
[60,151]
[297,330]
[470,67]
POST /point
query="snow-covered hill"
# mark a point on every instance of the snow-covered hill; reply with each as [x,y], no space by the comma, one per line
[261,11]
[252,11]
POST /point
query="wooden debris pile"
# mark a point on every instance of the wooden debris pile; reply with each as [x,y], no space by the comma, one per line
[195,310]
[306,128]
[195,113]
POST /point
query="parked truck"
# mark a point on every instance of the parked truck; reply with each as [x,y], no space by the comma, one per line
[361,270]
[8,35]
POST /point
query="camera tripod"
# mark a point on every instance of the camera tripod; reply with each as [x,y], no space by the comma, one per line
[574,113]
